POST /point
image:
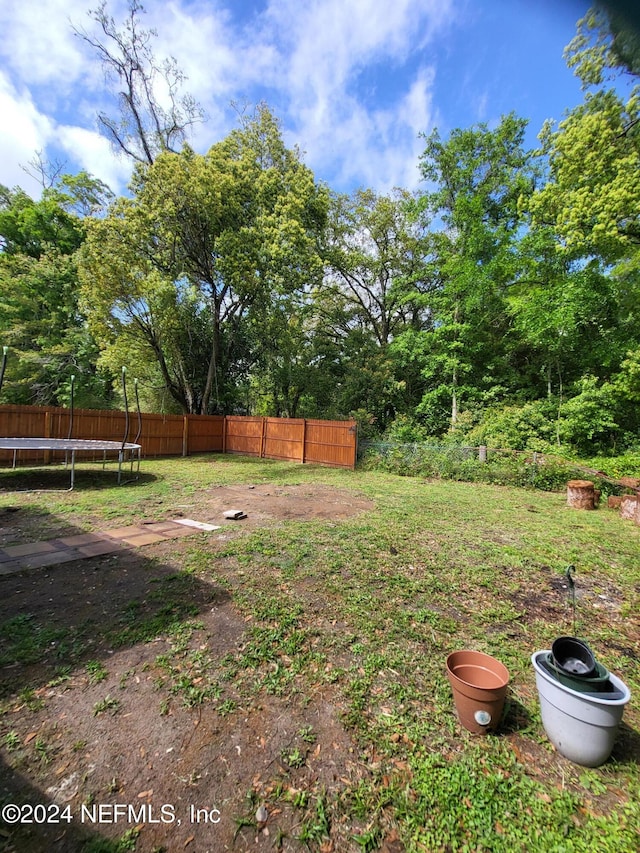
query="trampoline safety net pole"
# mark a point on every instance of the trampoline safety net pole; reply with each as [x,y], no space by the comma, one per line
[5,350]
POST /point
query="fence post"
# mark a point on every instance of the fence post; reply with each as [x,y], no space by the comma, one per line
[304,439]
[482,453]
[185,435]
[354,430]
[262,437]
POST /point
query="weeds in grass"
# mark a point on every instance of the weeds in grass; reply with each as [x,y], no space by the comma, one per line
[24,641]
[62,676]
[42,750]
[227,707]
[125,844]
[293,758]
[11,741]
[316,826]
[30,699]
[307,734]
[96,671]
[107,704]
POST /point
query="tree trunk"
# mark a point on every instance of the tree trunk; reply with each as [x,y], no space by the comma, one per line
[212,372]
[454,396]
[581,494]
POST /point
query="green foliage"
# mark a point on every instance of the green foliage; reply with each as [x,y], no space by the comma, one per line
[406,430]
[587,420]
[606,44]
[451,462]
[234,239]
[624,465]
[480,176]
[527,427]
[476,796]
[592,194]
[40,319]
[499,305]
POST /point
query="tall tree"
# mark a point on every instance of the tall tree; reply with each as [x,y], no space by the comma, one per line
[373,254]
[373,260]
[205,243]
[607,42]
[479,177]
[592,197]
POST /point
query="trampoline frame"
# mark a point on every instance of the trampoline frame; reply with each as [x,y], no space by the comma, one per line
[74,445]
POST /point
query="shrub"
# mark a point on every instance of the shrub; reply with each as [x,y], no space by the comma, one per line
[407,430]
[529,470]
[587,419]
[528,427]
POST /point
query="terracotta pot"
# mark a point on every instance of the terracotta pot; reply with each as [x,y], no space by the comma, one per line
[479,683]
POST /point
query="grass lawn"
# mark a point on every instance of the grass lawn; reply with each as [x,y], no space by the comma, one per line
[285,675]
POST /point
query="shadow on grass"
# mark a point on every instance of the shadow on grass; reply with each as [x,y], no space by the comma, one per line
[627,746]
[516,718]
[57,478]
[48,827]
[54,621]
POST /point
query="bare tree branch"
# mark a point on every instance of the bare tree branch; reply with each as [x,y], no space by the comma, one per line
[145,128]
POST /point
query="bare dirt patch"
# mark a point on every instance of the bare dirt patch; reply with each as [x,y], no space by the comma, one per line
[265,504]
[106,711]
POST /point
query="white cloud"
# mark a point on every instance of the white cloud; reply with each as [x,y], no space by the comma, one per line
[38,43]
[25,132]
[307,58]
[378,148]
[331,44]
[94,154]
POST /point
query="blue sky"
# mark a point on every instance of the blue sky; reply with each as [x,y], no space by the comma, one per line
[354,82]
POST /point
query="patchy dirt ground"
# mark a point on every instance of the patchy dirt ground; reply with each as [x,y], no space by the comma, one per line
[131,713]
[110,739]
[265,504]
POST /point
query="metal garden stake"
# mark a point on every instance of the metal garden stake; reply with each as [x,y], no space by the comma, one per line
[572,587]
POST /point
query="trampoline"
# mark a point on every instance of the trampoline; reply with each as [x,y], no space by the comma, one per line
[127,451]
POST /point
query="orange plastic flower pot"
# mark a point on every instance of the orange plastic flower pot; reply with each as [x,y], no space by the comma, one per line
[479,683]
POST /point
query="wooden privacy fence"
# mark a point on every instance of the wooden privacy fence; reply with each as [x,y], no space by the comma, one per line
[323,442]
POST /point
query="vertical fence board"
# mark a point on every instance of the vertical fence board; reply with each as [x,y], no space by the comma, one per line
[205,433]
